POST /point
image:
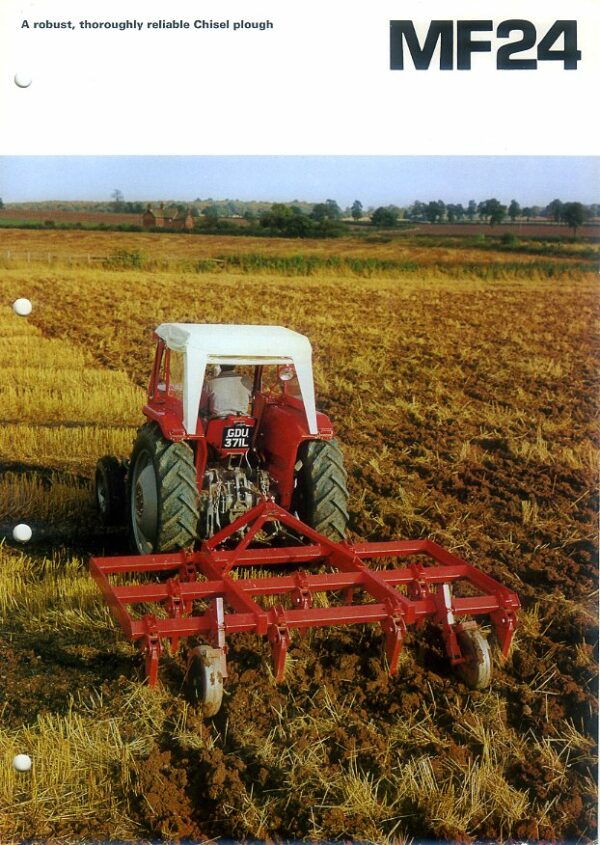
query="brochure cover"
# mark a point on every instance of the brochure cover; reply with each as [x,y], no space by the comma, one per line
[298,439]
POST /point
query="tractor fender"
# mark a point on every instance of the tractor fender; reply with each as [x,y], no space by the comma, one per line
[282,430]
[168,422]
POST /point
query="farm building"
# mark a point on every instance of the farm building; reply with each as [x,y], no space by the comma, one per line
[163,218]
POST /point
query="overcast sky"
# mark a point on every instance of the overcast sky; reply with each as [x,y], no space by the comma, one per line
[374,180]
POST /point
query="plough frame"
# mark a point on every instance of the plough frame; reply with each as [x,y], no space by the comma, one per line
[205,576]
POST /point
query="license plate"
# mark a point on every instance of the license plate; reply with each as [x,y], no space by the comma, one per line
[236,437]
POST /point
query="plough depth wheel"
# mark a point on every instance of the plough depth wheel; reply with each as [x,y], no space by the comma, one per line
[205,677]
[476,670]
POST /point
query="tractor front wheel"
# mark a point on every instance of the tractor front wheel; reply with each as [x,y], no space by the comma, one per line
[321,495]
[163,496]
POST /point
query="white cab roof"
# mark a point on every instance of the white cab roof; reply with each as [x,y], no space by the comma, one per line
[210,343]
[237,340]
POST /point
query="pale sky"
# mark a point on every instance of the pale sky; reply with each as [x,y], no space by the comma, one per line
[374,180]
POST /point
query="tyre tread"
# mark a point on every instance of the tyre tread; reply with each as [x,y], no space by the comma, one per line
[177,490]
[325,493]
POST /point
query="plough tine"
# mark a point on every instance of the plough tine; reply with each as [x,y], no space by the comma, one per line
[152,648]
[505,624]
[176,607]
[279,638]
[394,628]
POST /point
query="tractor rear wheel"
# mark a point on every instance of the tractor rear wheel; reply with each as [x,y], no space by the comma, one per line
[321,495]
[162,491]
[110,491]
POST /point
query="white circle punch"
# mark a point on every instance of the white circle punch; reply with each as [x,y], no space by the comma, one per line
[22,533]
[22,80]
[22,306]
[22,762]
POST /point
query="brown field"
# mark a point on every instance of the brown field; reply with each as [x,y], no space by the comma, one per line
[467,410]
[180,251]
[109,218]
[95,218]
[521,229]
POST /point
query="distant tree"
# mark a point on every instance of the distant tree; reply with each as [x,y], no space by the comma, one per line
[527,212]
[222,209]
[554,210]
[471,210]
[210,213]
[417,211]
[319,212]
[249,215]
[1,203]
[492,210]
[328,210]
[573,214]
[497,212]
[455,212]
[514,210]
[334,212]
[435,211]
[117,200]
[133,207]
[357,210]
[431,211]
[287,220]
[385,216]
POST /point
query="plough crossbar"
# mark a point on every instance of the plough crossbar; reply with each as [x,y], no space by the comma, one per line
[393,597]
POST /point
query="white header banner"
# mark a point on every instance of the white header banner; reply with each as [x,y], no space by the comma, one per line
[190,78]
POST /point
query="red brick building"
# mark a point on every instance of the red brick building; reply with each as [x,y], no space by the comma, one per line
[163,218]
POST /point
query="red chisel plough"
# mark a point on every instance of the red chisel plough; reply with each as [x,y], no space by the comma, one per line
[205,594]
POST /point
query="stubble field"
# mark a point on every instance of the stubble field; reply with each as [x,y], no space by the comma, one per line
[466,405]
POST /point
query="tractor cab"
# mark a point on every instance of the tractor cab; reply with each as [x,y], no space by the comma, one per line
[202,460]
[187,355]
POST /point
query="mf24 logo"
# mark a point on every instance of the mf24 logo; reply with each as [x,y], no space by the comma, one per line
[559,44]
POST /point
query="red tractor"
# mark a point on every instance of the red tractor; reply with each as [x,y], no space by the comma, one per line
[229,461]
[199,463]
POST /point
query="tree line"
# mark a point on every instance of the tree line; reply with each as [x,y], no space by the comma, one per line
[323,215]
[490,211]
[326,219]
